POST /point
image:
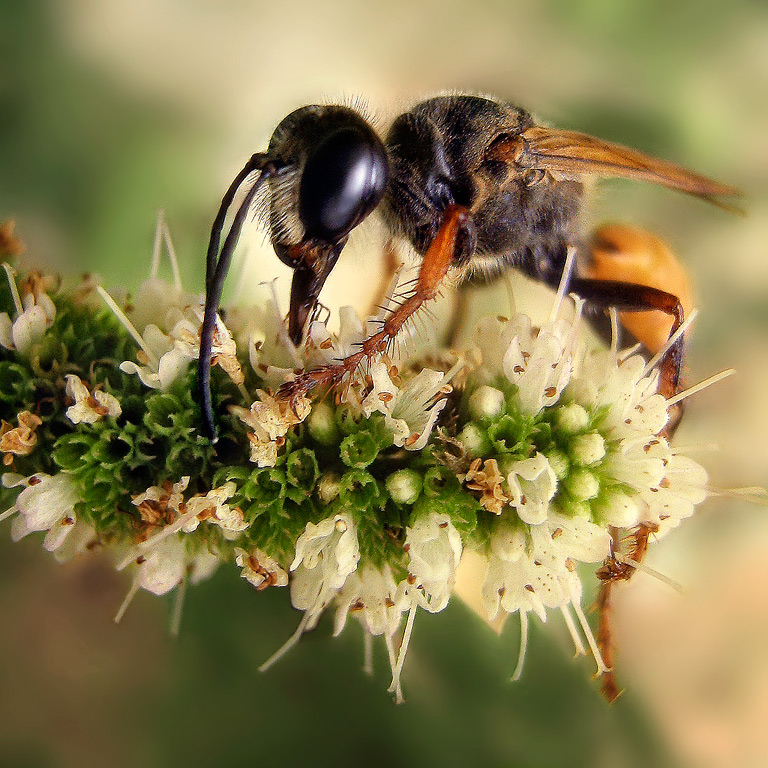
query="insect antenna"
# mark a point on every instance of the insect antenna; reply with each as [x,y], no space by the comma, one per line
[216,268]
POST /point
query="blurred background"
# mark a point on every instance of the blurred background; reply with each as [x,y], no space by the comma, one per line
[111,109]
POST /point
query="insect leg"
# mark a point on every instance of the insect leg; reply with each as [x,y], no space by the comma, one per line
[632,297]
[437,260]
[216,272]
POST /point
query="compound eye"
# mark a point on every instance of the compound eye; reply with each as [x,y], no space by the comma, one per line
[343,181]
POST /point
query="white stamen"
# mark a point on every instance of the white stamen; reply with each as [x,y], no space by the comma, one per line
[615,330]
[390,294]
[671,341]
[367,652]
[696,388]
[625,353]
[395,686]
[8,512]
[127,324]
[171,255]
[153,541]
[523,646]
[11,272]
[289,643]
[128,598]
[282,332]
[509,284]
[686,448]
[577,644]
[157,244]
[178,607]
[638,566]
[587,630]
[754,495]
[563,286]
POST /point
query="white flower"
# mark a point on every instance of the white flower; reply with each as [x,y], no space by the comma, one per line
[259,569]
[532,485]
[211,508]
[410,410]
[270,419]
[536,571]
[326,554]
[35,314]
[539,362]
[166,356]
[162,360]
[89,408]
[434,550]
[370,594]
[163,567]
[631,402]
[47,503]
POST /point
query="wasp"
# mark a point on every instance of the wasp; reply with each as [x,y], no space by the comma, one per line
[473,184]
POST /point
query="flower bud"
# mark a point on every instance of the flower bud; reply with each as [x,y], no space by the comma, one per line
[587,449]
[486,403]
[572,418]
[404,486]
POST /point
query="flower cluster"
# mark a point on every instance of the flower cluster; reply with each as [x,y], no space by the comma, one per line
[517,460]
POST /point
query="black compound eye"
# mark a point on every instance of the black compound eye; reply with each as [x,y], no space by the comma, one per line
[343,181]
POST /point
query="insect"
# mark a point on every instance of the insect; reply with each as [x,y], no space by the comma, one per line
[475,186]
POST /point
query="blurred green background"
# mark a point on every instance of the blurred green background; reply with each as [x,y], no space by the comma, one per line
[110,109]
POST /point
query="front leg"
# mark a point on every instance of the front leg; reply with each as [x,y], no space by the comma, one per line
[439,256]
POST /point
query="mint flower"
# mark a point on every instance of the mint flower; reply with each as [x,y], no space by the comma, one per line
[492,472]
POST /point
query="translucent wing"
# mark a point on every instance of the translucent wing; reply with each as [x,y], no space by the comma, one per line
[570,153]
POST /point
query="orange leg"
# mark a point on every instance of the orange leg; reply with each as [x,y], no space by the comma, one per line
[611,572]
[434,267]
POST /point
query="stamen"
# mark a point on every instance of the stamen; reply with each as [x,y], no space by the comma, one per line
[11,273]
[638,566]
[389,296]
[671,341]
[153,541]
[395,685]
[367,652]
[178,607]
[696,388]
[628,352]
[128,599]
[563,286]
[127,324]
[282,333]
[171,255]
[289,643]
[157,244]
[8,512]
[754,495]
[523,646]
[391,655]
[615,330]
[577,644]
[509,285]
[587,630]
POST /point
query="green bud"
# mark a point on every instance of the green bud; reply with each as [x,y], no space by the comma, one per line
[560,464]
[486,403]
[572,418]
[322,424]
[587,449]
[404,486]
[328,487]
[619,509]
[474,440]
[582,485]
